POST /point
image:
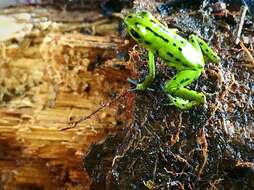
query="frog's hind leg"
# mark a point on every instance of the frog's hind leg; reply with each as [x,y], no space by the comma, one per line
[206,50]
[181,97]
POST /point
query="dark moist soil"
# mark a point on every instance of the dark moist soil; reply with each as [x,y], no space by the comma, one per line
[207,147]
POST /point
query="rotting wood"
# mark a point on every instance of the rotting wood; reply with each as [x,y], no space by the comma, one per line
[47,78]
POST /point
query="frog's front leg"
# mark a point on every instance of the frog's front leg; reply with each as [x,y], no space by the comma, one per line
[181,97]
[206,50]
[150,76]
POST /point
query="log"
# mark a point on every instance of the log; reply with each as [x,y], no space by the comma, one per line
[51,74]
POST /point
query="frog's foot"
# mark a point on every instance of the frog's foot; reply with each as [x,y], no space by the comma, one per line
[136,84]
[182,103]
[139,86]
[132,81]
[186,99]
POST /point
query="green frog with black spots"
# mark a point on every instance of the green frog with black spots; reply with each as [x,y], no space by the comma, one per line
[186,56]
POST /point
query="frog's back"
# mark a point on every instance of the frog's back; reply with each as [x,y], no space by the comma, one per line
[179,51]
[164,42]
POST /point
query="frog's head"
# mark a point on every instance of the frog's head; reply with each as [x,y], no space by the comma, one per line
[137,25]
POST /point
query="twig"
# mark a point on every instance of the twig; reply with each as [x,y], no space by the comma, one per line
[204,145]
[247,51]
[155,168]
[240,25]
[83,118]
[119,156]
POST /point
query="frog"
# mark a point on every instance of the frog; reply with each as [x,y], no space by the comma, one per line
[187,55]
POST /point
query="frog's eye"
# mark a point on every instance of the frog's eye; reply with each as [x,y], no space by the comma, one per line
[134,34]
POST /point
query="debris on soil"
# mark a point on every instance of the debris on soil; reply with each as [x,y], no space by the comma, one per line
[208,147]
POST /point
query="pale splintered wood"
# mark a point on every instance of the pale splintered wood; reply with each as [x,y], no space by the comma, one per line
[45,83]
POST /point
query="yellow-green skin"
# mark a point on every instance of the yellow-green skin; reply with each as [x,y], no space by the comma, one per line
[186,56]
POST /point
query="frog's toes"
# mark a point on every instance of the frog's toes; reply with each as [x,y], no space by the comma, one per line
[139,86]
[132,81]
[180,103]
[135,83]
